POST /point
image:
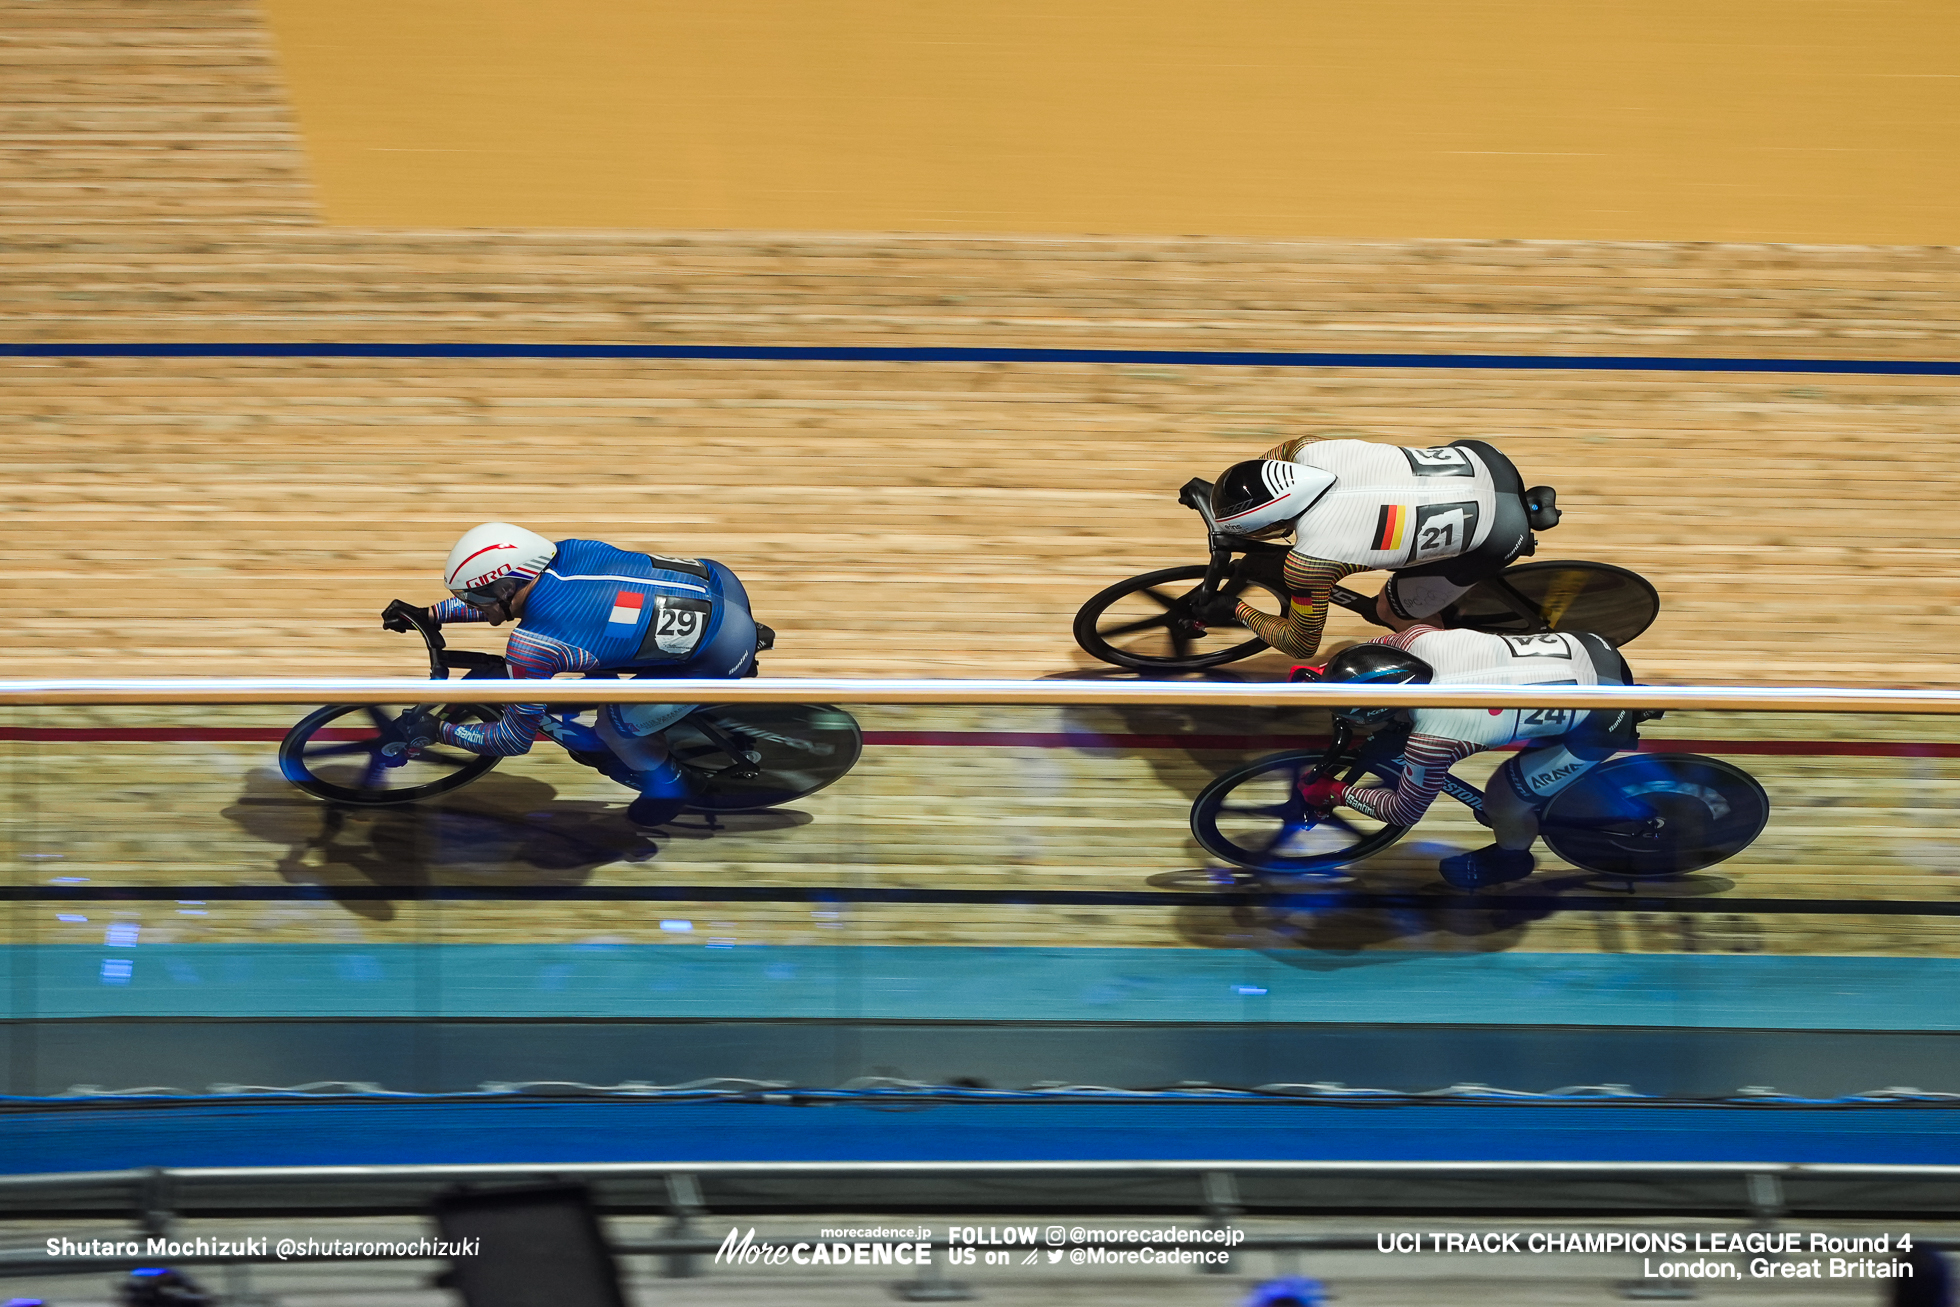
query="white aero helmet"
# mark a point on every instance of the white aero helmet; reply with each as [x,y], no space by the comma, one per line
[1262,492]
[494,561]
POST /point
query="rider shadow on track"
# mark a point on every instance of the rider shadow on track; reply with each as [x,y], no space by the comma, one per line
[1189,747]
[505,830]
[1221,738]
[1336,926]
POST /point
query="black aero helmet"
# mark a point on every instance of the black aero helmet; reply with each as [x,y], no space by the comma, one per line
[1261,492]
[1375,664]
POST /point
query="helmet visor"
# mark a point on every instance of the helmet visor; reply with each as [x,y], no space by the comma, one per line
[491,593]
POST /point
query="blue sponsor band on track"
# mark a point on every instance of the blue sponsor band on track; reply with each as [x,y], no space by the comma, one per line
[111,1137]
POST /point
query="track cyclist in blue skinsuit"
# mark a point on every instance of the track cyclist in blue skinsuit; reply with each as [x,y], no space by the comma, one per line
[584,606]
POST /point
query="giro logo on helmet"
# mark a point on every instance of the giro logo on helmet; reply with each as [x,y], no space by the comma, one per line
[496,552]
[481,577]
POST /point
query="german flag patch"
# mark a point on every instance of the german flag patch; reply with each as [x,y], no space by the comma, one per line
[1391,526]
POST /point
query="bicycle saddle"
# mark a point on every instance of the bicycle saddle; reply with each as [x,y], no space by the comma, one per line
[1541,508]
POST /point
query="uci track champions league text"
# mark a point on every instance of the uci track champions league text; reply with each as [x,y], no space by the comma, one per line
[990,1245]
[1696,1255]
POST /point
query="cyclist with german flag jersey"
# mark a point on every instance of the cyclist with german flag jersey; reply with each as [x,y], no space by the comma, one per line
[585,606]
[1441,519]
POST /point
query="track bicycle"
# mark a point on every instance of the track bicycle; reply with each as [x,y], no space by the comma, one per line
[1148,622]
[1642,816]
[741,757]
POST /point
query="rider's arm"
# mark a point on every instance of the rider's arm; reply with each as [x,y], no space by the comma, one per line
[1290,450]
[1405,637]
[529,657]
[455,610]
[1312,581]
[1428,759]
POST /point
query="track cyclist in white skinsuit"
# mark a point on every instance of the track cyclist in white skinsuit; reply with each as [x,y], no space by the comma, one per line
[1561,744]
[1440,519]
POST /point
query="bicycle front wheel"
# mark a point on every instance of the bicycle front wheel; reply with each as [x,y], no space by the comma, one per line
[1255,818]
[1654,815]
[799,748]
[339,753]
[1146,623]
[1561,596]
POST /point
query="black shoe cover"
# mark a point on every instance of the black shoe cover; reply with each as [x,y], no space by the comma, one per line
[1487,866]
[655,809]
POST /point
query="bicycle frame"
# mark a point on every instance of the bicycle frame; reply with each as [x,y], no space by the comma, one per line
[569,734]
[1455,787]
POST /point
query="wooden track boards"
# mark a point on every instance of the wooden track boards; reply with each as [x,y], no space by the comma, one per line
[247,517]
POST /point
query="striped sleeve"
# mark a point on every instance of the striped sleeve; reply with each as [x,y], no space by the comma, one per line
[1426,761]
[1312,582]
[455,610]
[530,657]
[1404,639]
[1288,450]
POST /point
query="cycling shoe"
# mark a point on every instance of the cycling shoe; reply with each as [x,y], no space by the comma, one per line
[655,810]
[1490,865]
[664,792]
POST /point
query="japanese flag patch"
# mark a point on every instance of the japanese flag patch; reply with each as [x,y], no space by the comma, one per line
[626,609]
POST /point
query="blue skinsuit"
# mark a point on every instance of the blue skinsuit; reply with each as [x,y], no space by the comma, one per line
[601,609]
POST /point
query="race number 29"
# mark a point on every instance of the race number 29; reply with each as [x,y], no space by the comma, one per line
[677,627]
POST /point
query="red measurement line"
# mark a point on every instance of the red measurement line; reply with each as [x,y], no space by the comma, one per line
[996,740]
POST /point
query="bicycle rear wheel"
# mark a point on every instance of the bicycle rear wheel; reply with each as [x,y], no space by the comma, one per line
[339,753]
[1255,818]
[801,748]
[1656,815]
[1145,622]
[1609,601]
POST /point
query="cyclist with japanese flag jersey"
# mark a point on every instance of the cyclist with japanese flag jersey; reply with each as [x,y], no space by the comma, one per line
[1439,519]
[1561,744]
[585,606]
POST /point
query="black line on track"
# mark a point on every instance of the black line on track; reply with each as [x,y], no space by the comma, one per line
[1325,900]
[966,354]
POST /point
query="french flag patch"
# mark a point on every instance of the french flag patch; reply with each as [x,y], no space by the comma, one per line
[626,608]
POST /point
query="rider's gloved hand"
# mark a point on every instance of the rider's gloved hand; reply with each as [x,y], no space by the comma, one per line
[1322,792]
[1217,610]
[395,616]
[421,724]
[1306,672]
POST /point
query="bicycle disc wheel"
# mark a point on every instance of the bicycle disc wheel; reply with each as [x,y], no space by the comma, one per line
[1145,623]
[1254,818]
[1561,596]
[1656,815]
[803,748]
[336,753]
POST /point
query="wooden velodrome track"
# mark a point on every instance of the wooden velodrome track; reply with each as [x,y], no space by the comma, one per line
[251,517]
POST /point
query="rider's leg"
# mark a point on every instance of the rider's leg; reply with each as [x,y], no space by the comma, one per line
[1414,593]
[1513,816]
[1515,799]
[633,733]
[1511,806]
